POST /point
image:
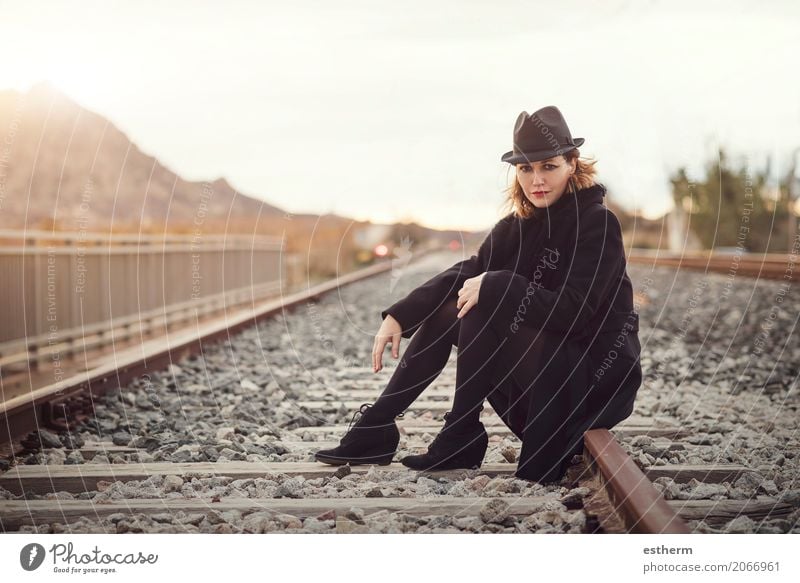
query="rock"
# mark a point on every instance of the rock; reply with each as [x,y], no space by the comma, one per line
[790,497]
[355,514]
[48,438]
[699,439]
[288,521]
[116,517]
[548,505]
[702,527]
[478,483]
[346,526]
[215,517]
[703,491]
[210,452]
[497,485]
[427,483]
[471,523]
[311,524]
[668,488]
[72,441]
[458,489]
[343,471]
[749,482]
[183,456]
[258,523]
[577,520]
[495,511]
[440,522]
[377,519]
[194,519]
[173,483]
[55,457]
[225,433]
[641,440]
[740,525]
[509,453]
[554,518]
[174,370]
[249,385]
[769,487]
[121,438]
[574,498]
[327,515]
[768,529]
[291,488]
[734,493]
[74,458]
[146,442]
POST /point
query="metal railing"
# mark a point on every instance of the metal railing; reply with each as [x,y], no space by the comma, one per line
[59,289]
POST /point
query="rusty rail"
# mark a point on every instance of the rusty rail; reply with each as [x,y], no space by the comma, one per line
[638,504]
[766,265]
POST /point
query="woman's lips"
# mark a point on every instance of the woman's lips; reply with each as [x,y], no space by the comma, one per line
[539,193]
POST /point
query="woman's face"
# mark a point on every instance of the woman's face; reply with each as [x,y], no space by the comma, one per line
[545,182]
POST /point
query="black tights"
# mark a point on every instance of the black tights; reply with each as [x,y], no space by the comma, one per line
[425,357]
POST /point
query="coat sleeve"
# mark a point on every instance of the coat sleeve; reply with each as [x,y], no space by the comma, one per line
[423,301]
[591,274]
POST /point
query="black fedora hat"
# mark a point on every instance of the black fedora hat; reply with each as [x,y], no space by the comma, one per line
[540,135]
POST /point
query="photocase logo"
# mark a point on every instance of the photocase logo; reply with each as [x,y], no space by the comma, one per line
[548,261]
[31,556]
[66,560]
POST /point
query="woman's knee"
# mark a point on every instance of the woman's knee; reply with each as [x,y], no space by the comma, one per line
[482,314]
[444,321]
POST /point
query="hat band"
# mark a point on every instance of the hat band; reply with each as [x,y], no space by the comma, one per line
[570,144]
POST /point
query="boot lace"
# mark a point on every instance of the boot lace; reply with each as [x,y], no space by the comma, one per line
[361,411]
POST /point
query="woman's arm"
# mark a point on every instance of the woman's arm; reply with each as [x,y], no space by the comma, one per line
[592,273]
[418,305]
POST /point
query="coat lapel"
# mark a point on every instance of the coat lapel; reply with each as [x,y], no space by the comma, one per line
[552,231]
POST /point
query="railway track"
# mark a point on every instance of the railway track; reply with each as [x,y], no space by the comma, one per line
[120,486]
[766,265]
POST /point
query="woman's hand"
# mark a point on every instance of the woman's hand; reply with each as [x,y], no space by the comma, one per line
[468,294]
[390,331]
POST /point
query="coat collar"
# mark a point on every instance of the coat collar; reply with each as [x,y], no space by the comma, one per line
[570,201]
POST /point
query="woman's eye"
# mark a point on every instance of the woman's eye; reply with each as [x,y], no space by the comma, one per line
[546,167]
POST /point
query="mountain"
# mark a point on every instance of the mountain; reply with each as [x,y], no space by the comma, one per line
[65,164]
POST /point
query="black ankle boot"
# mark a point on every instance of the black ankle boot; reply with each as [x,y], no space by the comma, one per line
[454,448]
[366,442]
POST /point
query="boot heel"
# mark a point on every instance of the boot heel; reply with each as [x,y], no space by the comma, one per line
[385,460]
[381,460]
[474,457]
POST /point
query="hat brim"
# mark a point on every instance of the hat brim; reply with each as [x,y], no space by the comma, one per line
[511,158]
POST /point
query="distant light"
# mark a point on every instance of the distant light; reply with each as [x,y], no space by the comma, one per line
[381,250]
[454,245]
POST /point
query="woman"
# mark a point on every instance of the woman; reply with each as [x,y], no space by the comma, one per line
[542,317]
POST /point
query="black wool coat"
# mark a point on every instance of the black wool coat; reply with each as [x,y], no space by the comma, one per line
[562,304]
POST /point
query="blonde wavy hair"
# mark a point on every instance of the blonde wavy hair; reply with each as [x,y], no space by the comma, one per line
[584,177]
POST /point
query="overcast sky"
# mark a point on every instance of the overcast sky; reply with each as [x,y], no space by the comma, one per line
[401,111]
